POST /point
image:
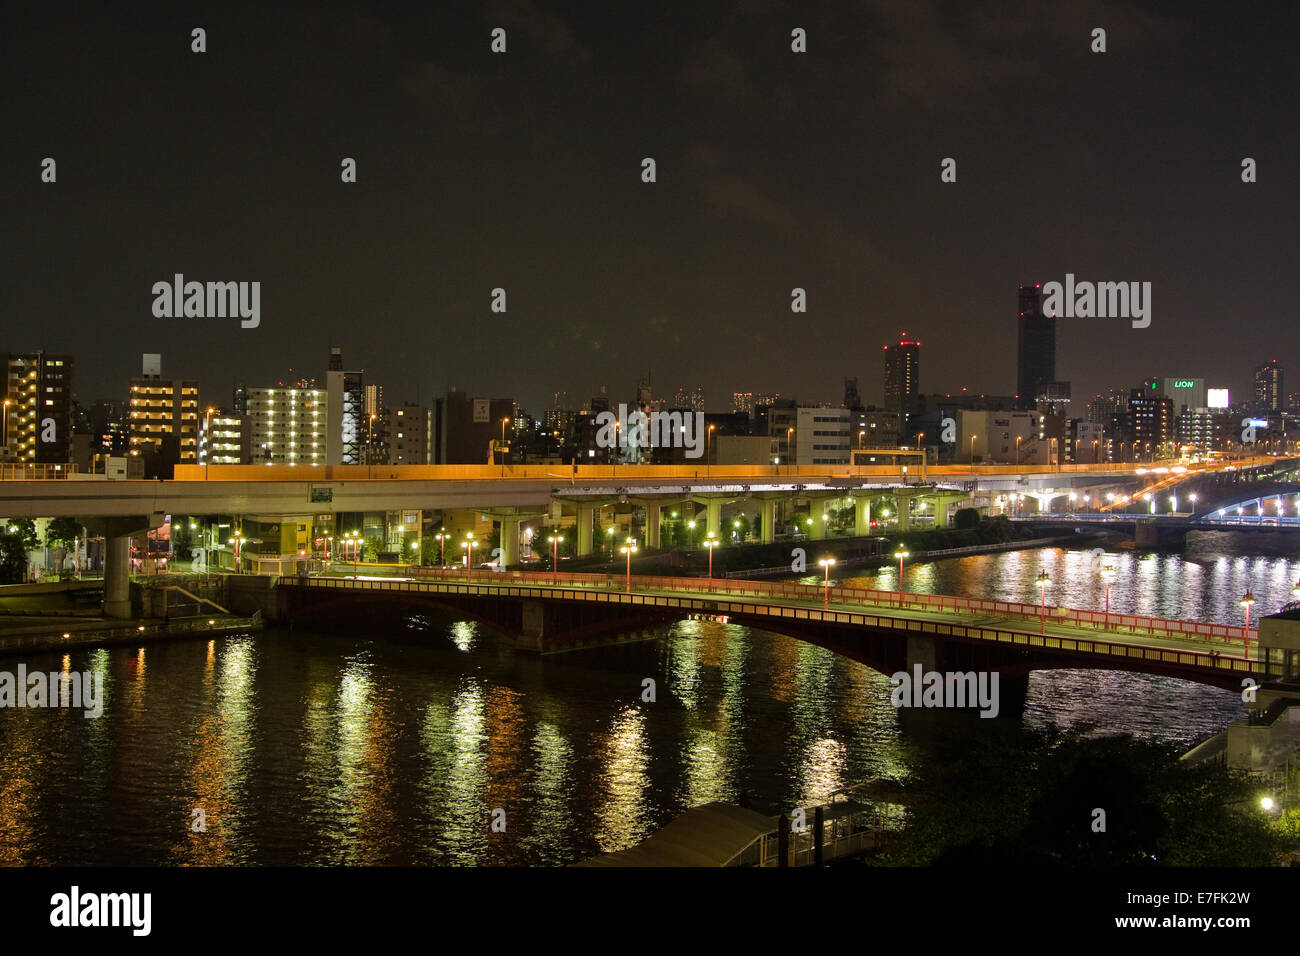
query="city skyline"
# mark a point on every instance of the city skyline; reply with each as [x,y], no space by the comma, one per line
[460,191]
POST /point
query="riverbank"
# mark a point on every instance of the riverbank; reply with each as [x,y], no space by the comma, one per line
[28,633]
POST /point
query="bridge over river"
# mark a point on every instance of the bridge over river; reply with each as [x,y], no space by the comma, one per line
[886,630]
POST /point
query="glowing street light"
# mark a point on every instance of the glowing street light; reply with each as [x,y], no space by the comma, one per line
[443,538]
[630,549]
[711,542]
[555,540]
[826,600]
[468,546]
[972,448]
[900,554]
[353,538]
[1043,580]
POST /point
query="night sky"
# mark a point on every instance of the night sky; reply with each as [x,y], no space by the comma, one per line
[775,170]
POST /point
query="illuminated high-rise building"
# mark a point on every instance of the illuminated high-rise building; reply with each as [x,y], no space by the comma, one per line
[163,415]
[1269,396]
[902,376]
[1035,348]
[37,422]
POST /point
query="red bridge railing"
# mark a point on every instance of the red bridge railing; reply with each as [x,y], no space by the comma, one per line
[950,604]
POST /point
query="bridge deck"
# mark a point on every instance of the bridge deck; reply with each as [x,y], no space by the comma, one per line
[1185,643]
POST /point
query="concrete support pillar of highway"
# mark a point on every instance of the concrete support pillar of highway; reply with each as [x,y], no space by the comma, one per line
[586,518]
[817,512]
[942,509]
[862,517]
[509,542]
[652,516]
[767,520]
[715,517]
[117,576]
[904,512]
[117,534]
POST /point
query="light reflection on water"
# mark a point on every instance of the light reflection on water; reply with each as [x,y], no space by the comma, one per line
[332,749]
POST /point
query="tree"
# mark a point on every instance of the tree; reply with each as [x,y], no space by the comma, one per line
[25,528]
[1012,796]
[966,519]
[62,531]
[13,558]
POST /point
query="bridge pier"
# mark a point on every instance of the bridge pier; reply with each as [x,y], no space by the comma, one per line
[509,542]
[862,516]
[533,629]
[117,534]
[921,650]
[653,514]
[768,520]
[117,576]
[586,518]
[714,506]
[904,511]
[817,514]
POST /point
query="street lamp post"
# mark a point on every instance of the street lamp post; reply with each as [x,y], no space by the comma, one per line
[468,545]
[826,600]
[442,537]
[972,448]
[630,549]
[1108,575]
[710,542]
[504,422]
[352,539]
[900,554]
[1246,601]
[555,540]
[1043,579]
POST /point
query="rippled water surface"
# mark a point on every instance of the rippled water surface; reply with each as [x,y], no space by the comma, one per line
[396,746]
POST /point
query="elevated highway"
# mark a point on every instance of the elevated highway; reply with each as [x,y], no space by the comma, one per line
[510,495]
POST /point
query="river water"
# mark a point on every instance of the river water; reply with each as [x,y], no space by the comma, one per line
[397,744]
